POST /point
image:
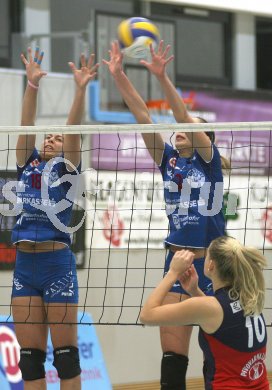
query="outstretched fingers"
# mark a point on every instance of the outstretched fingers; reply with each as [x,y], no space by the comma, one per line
[105,62]
[115,47]
[43,73]
[169,59]
[145,63]
[95,68]
[160,48]
[36,55]
[90,61]
[161,52]
[29,52]
[91,66]
[72,66]
[24,60]
[152,51]
[166,51]
[30,58]
[40,58]
[83,60]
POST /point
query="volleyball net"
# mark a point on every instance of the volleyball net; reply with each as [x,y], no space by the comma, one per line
[119,221]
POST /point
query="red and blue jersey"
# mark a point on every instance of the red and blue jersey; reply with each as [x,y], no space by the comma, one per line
[193,193]
[235,354]
[33,223]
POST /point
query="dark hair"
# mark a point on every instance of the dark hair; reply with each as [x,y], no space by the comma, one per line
[210,134]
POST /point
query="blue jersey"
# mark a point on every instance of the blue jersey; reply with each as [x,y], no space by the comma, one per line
[34,224]
[192,186]
[235,353]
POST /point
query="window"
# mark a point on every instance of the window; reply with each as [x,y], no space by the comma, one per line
[9,22]
[202,43]
[264,54]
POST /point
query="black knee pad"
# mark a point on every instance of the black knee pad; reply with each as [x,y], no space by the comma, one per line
[31,364]
[66,361]
[173,371]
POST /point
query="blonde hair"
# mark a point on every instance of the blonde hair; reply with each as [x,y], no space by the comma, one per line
[242,268]
[225,164]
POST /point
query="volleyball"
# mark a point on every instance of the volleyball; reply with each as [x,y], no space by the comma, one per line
[135,36]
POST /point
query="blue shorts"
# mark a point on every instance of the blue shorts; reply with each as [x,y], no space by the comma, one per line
[49,275]
[204,283]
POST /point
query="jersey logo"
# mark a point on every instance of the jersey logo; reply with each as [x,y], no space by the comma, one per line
[256,371]
[195,178]
[170,173]
[254,368]
[176,222]
[173,162]
[53,177]
[27,172]
[236,307]
[35,163]
[178,179]
[17,284]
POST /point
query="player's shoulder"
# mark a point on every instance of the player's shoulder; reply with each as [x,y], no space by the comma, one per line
[169,149]
[210,314]
[206,303]
[33,161]
[169,156]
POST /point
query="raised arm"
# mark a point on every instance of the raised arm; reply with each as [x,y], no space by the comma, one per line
[157,67]
[190,311]
[199,310]
[189,281]
[34,73]
[154,142]
[82,76]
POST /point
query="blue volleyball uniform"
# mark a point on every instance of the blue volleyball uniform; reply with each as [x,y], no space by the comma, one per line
[187,224]
[235,354]
[34,225]
[204,283]
[50,275]
[189,188]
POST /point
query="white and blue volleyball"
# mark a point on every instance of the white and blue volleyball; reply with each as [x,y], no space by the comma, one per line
[135,36]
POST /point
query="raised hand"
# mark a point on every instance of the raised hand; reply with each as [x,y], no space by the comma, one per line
[86,72]
[115,64]
[33,66]
[159,60]
[189,280]
[181,262]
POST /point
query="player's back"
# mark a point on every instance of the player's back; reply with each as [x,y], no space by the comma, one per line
[235,353]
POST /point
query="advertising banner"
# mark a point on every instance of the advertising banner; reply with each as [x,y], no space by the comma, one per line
[128,210]
[251,223]
[94,374]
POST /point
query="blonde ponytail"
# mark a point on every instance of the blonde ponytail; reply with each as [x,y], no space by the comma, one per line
[242,268]
[225,164]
